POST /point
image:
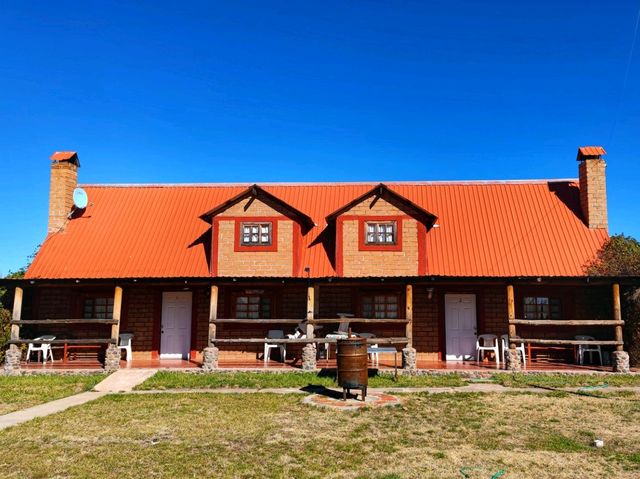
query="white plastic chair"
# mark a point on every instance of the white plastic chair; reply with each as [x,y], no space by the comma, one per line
[487,342]
[125,343]
[588,348]
[299,333]
[43,349]
[275,334]
[373,356]
[342,332]
[505,345]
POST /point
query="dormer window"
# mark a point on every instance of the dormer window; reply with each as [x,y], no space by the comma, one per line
[381,233]
[256,234]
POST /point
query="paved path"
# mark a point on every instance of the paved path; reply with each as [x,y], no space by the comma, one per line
[123,380]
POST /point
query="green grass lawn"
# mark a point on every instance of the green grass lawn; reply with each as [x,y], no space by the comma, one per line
[19,392]
[566,380]
[271,435]
[182,380]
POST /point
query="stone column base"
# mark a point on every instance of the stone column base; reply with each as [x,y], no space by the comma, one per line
[512,359]
[309,357]
[112,358]
[409,359]
[12,360]
[210,358]
[620,361]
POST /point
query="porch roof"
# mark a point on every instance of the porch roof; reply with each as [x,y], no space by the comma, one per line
[486,229]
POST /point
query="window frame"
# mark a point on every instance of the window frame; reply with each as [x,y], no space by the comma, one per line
[551,315]
[109,302]
[262,295]
[239,246]
[373,294]
[363,223]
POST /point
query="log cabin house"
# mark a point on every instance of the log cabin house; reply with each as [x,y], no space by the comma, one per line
[202,272]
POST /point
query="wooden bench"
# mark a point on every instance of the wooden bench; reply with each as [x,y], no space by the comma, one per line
[73,349]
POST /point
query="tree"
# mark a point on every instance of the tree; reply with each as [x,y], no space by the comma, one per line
[620,256]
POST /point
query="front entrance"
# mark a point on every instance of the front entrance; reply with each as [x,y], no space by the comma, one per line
[175,334]
[461,326]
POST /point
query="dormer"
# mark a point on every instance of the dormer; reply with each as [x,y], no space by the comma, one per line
[381,233]
[256,234]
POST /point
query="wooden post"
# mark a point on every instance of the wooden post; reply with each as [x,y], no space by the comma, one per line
[617,315]
[213,314]
[409,315]
[311,294]
[117,311]
[511,308]
[17,313]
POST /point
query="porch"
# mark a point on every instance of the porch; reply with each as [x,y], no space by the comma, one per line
[235,320]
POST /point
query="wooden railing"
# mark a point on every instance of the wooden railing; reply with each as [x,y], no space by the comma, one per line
[617,323]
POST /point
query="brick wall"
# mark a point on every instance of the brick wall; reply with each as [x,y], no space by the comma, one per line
[140,311]
[64,179]
[253,263]
[357,263]
[426,324]
[593,192]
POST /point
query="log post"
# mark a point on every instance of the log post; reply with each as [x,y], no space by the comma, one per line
[213,314]
[617,315]
[309,351]
[511,310]
[311,294]
[409,315]
[17,313]
[117,312]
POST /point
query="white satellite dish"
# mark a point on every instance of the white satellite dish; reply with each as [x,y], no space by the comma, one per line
[80,198]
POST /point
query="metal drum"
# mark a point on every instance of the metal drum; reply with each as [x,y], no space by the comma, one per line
[352,363]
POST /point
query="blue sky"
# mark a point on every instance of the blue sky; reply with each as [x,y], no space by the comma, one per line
[313,91]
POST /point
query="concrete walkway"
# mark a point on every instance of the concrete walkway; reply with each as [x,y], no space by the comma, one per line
[123,380]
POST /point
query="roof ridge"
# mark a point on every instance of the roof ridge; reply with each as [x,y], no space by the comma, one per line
[329,183]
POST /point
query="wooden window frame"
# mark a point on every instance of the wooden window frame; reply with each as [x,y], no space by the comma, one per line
[240,247]
[93,298]
[362,233]
[399,301]
[264,294]
[549,300]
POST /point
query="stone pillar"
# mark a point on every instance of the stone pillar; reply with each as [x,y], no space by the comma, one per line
[210,358]
[512,359]
[409,359]
[112,358]
[12,360]
[620,361]
[309,357]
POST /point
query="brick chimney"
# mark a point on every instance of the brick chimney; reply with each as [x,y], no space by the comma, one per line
[64,179]
[593,188]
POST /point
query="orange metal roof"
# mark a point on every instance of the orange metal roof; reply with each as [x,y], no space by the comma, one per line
[500,229]
[591,151]
[63,155]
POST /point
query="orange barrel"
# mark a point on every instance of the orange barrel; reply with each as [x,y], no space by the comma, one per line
[352,363]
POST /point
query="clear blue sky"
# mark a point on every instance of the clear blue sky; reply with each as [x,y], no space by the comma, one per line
[313,91]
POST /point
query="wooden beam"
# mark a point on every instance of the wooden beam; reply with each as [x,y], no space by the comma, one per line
[63,341]
[617,315]
[511,310]
[305,340]
[213,314]
[311,294]
[17,313]
[409,315]
[574,342]
[64,321]
[567,322]
[117,312]
[312,321]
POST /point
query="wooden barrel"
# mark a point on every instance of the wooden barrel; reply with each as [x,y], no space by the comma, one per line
[352,363]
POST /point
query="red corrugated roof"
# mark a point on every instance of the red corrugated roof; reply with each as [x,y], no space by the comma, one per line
[485,229]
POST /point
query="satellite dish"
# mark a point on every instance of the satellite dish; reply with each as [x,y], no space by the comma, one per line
[80,198]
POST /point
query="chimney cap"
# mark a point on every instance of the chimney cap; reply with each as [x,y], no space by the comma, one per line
[71,156]
[590,153]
